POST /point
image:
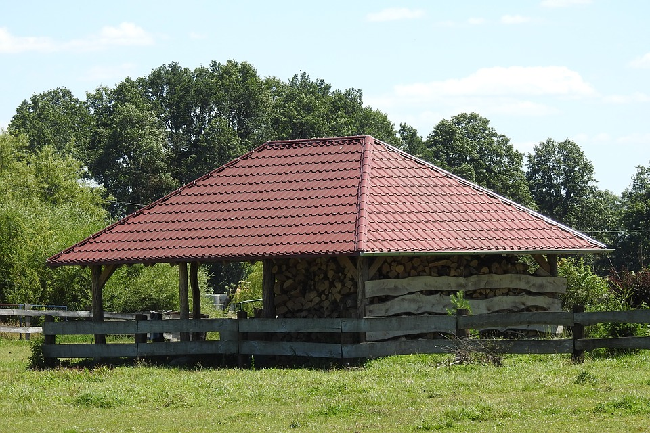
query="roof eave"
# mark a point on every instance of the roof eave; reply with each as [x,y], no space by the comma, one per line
[473,252]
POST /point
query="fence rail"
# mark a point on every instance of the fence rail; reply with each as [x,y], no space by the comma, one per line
[253,336]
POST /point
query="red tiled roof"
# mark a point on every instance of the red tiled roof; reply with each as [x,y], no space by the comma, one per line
[333,196]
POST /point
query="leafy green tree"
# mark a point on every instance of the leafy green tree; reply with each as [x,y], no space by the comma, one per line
[211,115]
[633,244]
[44,208]
[54,118]
[138,288]
[306,108]
[466,145]
[561,180]
[127,152]
[410,140]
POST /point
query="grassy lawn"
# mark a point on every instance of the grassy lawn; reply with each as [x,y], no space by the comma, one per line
[398,394]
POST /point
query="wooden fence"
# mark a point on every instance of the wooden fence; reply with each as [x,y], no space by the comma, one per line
[23,317]
[246,336]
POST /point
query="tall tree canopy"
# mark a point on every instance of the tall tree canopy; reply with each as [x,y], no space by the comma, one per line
[561,180]
[54,118]
[633,244]
[306,108]
[469,147]
[44,208]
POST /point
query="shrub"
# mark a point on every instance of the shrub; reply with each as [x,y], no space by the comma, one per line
[584,287]
[249,289]
[632,287]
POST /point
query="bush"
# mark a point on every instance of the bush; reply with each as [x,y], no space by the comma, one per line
[632,287]
[145,288]
[584,287]
[249,289]
[599,294]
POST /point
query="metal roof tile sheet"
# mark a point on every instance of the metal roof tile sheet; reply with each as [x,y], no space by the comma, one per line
[307,197]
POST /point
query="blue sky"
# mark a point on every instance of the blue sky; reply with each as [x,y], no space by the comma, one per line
[577,69]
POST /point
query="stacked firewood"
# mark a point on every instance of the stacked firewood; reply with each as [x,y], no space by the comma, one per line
[315,288]
[453,266]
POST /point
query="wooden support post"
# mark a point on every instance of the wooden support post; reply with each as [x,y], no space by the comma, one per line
[241,336]
[98,277]
[268,293]
[578,356]
[552,263]
[196,297]
[140,338]
[543,264]
[362,277]
[461,333]
[183,296]
[97,302]
[49,339]
[28,322]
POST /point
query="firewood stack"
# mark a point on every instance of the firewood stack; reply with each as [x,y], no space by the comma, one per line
[453,266]
[315,288]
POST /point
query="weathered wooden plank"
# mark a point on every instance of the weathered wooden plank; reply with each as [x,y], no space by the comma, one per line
[417,324]
[504,320]
[418,303]
[63,314]
[21,329]
[376,264]
[212,347]
[613,343]
[632,316]
[315,350]
[187,325]
[80,328]
[415,303]
[531,283]
[290,325]
[345,262]
[89,350]
[400,347]
[523,346]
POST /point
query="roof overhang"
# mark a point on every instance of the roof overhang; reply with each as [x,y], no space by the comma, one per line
[486,252]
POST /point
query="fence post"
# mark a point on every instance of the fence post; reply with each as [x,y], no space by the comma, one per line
[157,337]
[461,333]
[140,338]
[578,356]
[241,336]
[28,322]
[48,339]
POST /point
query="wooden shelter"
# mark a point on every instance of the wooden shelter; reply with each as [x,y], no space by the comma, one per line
[346,227]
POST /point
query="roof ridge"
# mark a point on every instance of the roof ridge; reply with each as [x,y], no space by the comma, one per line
[364,185]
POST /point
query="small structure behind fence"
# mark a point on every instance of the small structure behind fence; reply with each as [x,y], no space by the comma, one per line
[252,337]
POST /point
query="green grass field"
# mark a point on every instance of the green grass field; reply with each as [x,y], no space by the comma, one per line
[398,394]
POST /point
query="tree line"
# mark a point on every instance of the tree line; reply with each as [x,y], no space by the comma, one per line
[76,165]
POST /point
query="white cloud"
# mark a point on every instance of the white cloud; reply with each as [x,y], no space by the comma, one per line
[500,81]
[395,14]
[10,44]
[126,34]
[627,99]
[514,19]
[641,61]
[476,21]
[563,3]
[500,91]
